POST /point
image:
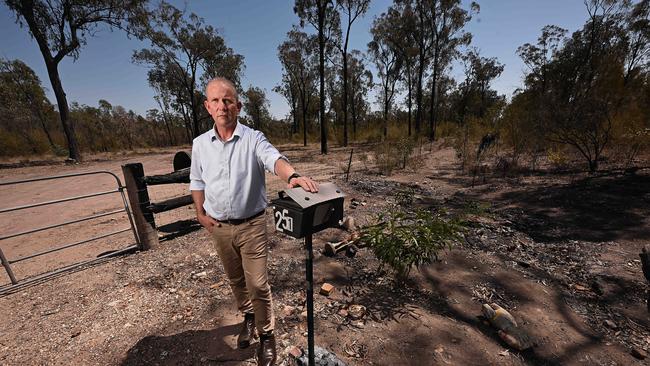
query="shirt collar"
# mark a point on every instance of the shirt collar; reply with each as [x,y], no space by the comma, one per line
[239,131]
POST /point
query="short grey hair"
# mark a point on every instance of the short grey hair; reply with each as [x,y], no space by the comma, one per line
[222,80]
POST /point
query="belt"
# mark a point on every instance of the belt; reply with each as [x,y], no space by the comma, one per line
[241,221]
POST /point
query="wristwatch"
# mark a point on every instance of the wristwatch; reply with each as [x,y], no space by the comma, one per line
[294,175]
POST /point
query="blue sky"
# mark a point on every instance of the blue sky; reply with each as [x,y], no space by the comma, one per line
[255,28]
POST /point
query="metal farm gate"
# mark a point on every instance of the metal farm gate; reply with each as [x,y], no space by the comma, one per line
[7,262]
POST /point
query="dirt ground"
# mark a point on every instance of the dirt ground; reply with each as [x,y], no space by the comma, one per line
[559,250]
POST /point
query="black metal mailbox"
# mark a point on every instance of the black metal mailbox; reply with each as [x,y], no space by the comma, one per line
[298,213]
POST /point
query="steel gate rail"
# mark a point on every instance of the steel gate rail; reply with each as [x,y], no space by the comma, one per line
[7,262]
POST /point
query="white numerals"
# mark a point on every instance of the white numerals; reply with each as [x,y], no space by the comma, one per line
[283,221]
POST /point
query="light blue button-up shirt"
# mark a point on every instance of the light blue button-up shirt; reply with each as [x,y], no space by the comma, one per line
[232,172]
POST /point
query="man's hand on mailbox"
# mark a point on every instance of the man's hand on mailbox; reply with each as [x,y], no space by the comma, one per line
[306,183]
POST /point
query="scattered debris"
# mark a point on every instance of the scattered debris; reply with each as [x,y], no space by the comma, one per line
[354,203]
[288,310]
[322,357]
[580,287]
[331,249]
[294,352]
[326,289]
[199,275]
[611,324]
[356,349]
[356,312]
[507,327]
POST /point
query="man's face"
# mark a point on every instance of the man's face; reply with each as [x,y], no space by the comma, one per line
[222,104]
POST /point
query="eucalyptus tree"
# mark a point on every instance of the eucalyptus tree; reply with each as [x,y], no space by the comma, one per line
[538,57]
[289,90]
[322,15]
[187,50]
[434,30]
[484,71]
[446,21]
[60,28]
[400,36]
[637,39]
[351,9]
[256,106]
[171,93]
[360,85]
[423,43]
[297,55]
[163,99]
[23,104]
[591,83]
[474,95]
[387,62]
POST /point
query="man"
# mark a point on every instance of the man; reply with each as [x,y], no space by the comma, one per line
[229,192]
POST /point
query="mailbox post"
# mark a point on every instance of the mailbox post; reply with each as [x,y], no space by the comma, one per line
[299,214]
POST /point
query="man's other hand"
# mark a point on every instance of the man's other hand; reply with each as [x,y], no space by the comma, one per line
[207,222]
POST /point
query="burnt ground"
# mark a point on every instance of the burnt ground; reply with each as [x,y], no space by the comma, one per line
[559,250]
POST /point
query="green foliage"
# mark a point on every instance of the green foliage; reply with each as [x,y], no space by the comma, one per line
[404,240]
[183,51]
[256,106]
[476,208]
[404,197]
[298,56]
[61,28]
[581,87]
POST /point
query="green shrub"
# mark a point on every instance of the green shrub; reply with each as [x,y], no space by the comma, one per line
[403,240]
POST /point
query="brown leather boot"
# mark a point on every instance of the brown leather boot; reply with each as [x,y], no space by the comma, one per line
[247,333]
[266,351]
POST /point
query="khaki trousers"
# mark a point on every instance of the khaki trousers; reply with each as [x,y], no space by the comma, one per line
[243,250]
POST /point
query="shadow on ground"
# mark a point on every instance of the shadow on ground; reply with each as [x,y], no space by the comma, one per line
[189,348]
[583,338]
[592,209]
[178,228]
[596,209]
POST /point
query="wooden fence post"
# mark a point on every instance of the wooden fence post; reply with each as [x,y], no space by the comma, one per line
[139,202]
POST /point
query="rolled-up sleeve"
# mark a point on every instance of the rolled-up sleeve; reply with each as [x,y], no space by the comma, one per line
[267,153]
[196,180]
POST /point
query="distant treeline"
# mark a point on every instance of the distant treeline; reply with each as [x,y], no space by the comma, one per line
[585,94]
